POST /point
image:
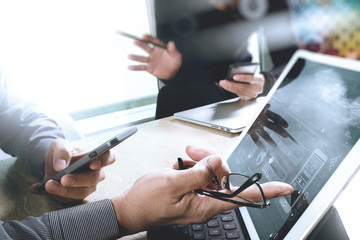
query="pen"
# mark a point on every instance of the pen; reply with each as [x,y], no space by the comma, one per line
[137,38]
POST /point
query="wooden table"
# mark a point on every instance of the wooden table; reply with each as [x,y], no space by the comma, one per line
[157,144]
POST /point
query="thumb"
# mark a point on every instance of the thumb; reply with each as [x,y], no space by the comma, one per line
[201,174]
[61,155]
[171,47]
[225,84]
[196,153]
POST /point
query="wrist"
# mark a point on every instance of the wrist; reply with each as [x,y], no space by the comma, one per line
[128,221]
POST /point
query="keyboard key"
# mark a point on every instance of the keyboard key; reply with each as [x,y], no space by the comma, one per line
[221,227]
[181,226]
[199,235]
[197,227]
[232,234]
[214,232]
[229,226]
[213,223]
[227,212]
[227,218]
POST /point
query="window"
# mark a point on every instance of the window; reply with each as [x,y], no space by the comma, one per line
[66,55]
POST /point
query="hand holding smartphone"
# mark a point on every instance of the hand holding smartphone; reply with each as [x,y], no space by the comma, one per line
[73,167]
[241,68]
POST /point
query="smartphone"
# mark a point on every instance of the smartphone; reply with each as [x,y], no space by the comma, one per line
[92,155]
[241,68]
[140,39]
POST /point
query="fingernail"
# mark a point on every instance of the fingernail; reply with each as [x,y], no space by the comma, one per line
[213,163]
[287,192]
[60,163]
[52,187]
[68,180]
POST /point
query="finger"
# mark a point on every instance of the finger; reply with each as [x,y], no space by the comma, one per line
[244,90]
[139,58]
[234,87]
[245,78]
[200,175]
[270,189]
[153,39]
[211,207]
[61,155]
[76,156]
[35,189]
[196,153]
[277,128]
[84,179]
[138,67]
[277,118]
[267,137]
[256,140]
[103,160]
[172,48]
[206,207]
[56,189]
[143,46]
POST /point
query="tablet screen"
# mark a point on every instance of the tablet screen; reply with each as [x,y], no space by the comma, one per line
[301,137]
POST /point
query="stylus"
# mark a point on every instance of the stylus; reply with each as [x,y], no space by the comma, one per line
[137,38]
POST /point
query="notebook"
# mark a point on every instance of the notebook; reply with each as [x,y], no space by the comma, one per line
[317,151]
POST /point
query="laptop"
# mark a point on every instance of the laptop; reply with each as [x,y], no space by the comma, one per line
[317,151]
[232,115]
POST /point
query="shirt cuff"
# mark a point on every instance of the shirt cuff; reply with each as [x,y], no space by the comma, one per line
[96,220]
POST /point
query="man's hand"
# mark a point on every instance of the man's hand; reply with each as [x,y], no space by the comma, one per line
[75,186]
[247,86]
[162,63]
[167,196]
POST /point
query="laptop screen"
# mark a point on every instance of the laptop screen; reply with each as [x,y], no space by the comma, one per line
[301,137]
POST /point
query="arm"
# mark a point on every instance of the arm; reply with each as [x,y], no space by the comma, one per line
[89,221]
[25,132]
[38,143]
[140,207]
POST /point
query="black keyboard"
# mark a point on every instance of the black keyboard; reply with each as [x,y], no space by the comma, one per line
[222,226]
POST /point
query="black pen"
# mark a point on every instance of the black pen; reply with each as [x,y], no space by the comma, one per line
[137,38]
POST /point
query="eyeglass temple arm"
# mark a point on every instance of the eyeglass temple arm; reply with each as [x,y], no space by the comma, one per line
[181,164]
[265,204]
[253,179]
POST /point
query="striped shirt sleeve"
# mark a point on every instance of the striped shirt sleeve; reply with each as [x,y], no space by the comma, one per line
[94,220]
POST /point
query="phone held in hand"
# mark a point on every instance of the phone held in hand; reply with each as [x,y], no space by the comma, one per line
[73,167]
[241,68]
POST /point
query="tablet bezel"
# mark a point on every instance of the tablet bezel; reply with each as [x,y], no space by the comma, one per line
[339,179]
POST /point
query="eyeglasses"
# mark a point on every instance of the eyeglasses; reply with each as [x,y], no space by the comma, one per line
[239,183]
